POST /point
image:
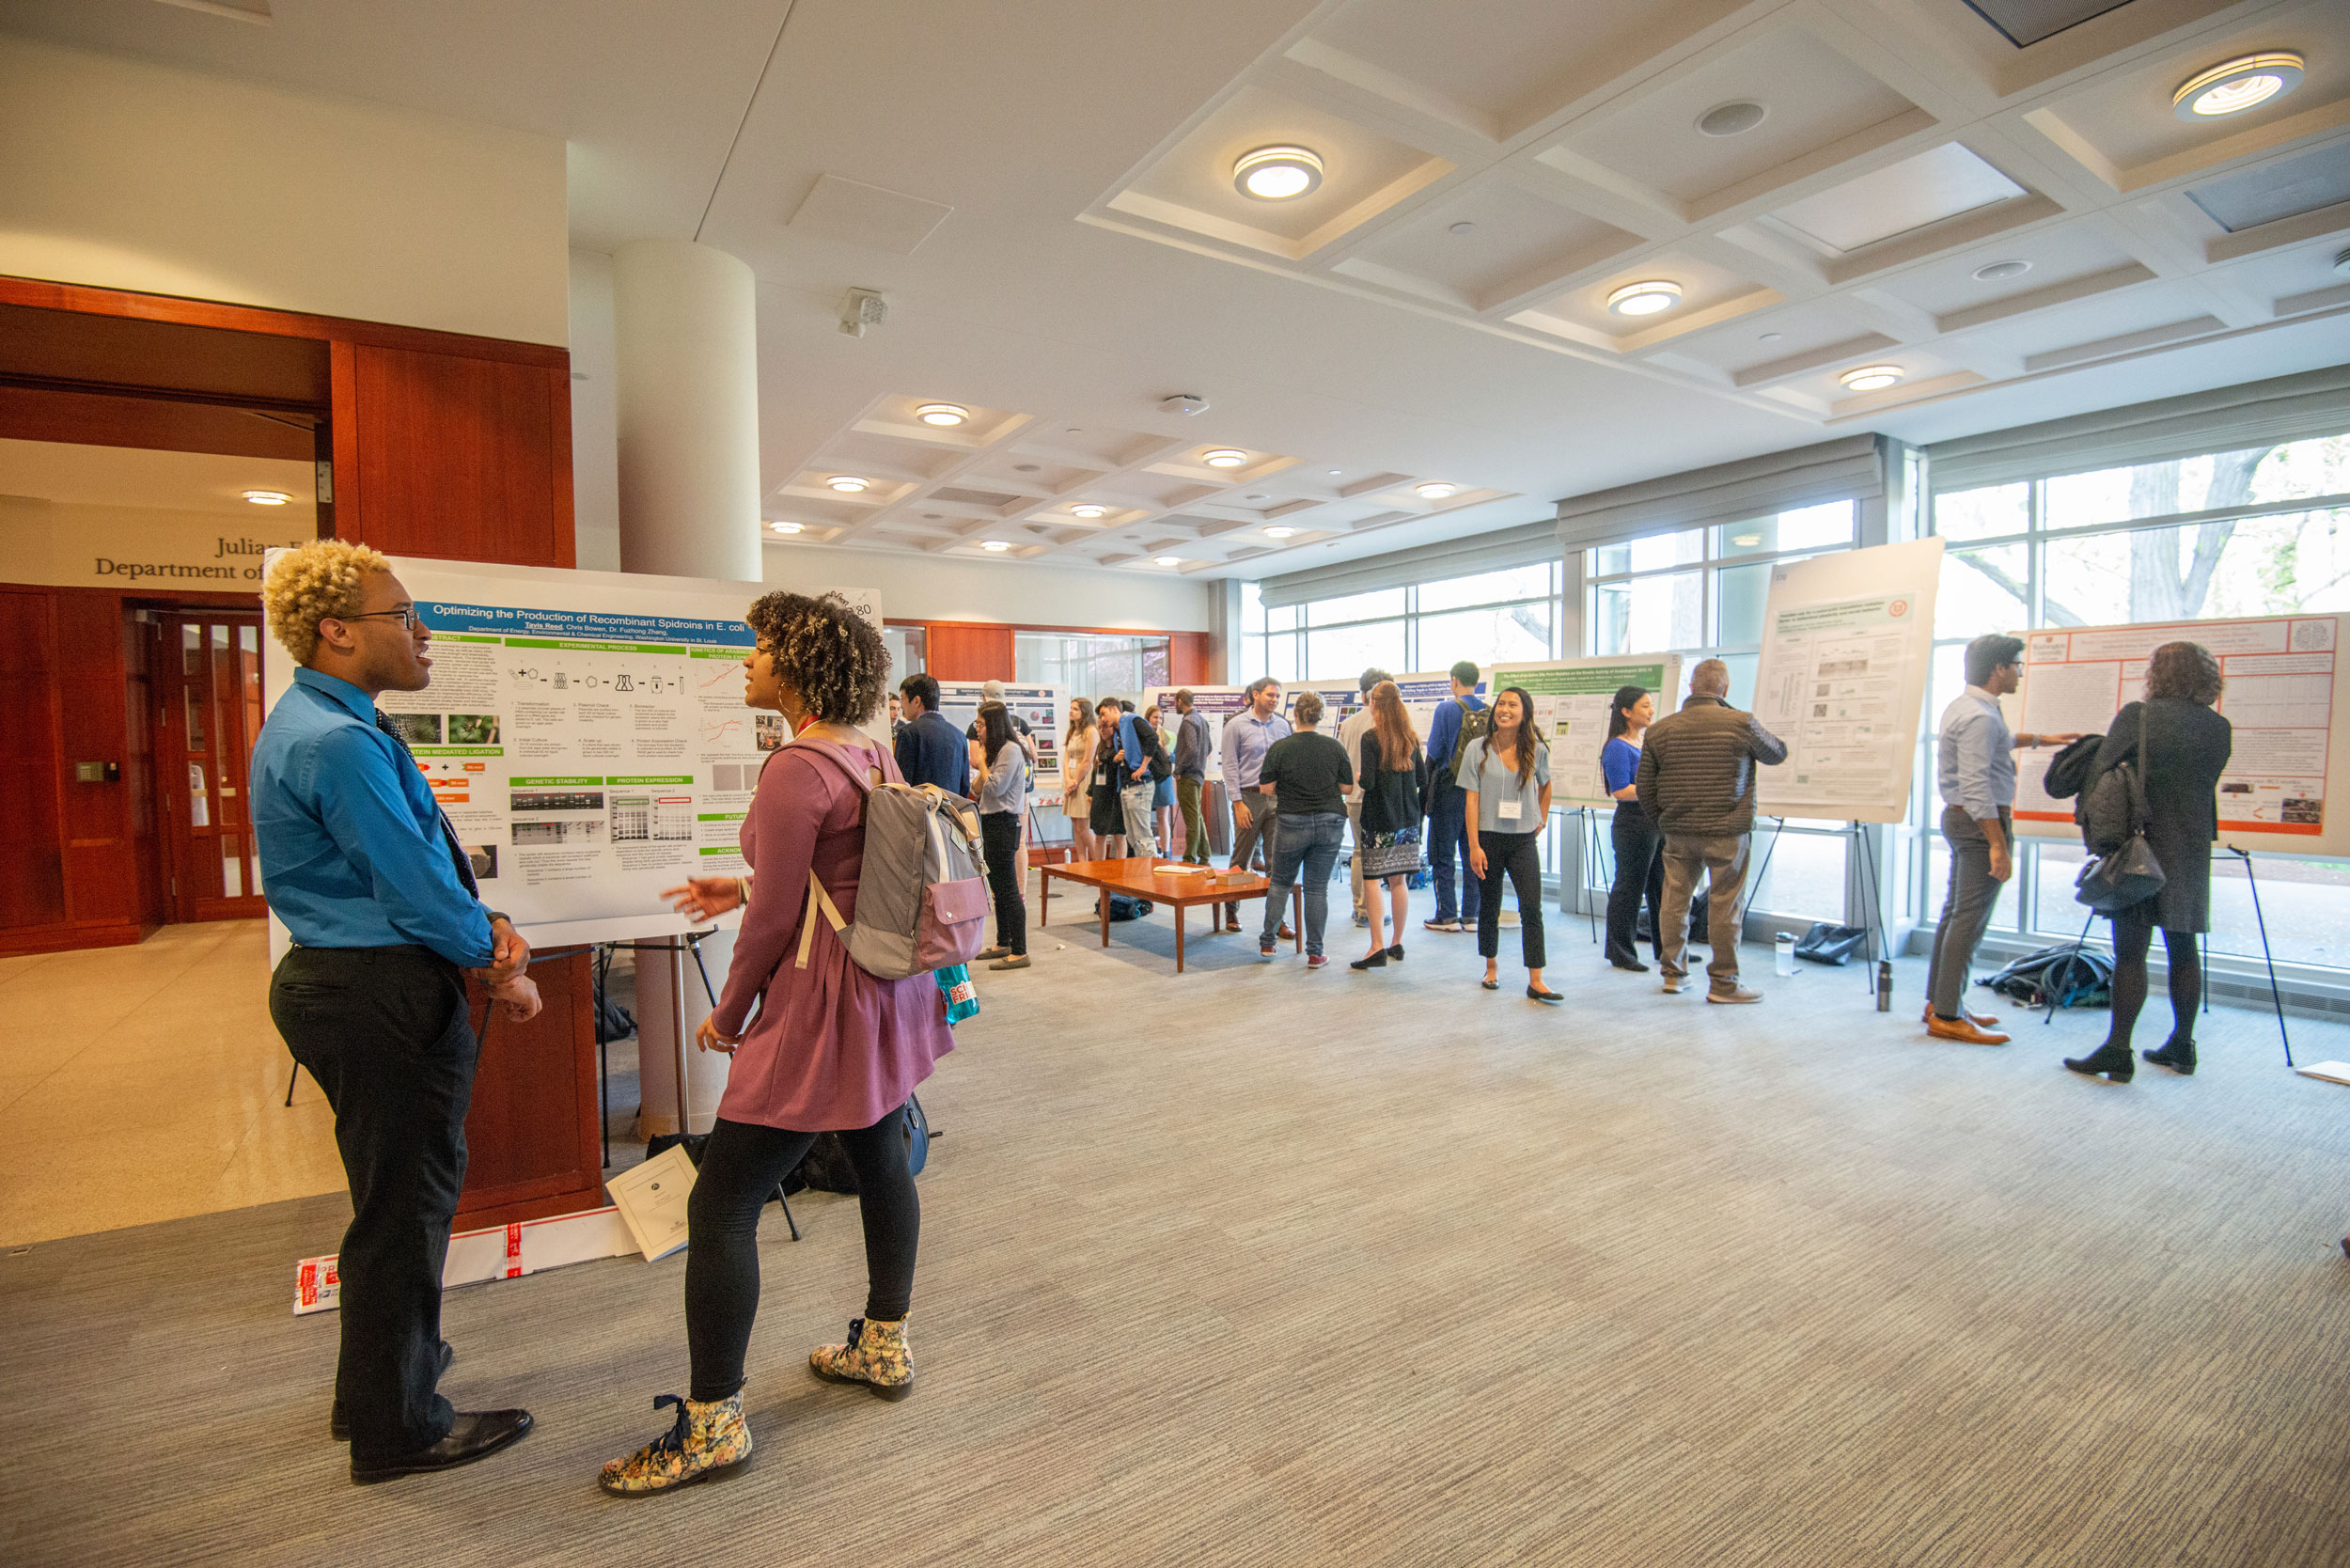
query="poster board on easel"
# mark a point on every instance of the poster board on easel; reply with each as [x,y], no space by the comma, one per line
[2291,739]
[1045,707]
[1847,647]
[1572,698]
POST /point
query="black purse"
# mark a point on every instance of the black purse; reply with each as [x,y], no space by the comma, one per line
[2125,877]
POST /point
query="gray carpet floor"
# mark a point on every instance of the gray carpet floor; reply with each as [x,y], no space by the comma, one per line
[1258,1267]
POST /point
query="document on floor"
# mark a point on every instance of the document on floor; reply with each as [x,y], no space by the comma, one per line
[652,1199]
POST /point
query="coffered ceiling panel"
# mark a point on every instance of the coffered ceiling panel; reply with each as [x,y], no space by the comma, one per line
[1490,243]
[1940,182]
[1781,341]
[1813,97]
[1710,293]
[2273,192]
[2024,23]
[2012,268]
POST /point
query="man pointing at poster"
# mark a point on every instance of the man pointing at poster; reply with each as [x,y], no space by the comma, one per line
[369,879]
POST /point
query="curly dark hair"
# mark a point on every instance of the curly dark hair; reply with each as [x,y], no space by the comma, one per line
[823,649]
[2184,669]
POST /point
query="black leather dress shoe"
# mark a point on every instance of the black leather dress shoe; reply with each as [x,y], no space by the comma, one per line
[338,1422]
[476,1434]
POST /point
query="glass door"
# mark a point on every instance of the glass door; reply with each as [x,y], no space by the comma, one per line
[208,691]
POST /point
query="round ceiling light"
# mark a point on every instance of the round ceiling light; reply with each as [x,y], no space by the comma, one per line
[2238,85]
[1089,509]
[785,527]
[1870,378]
[1729,119]
[1644,299]
[849,485]
[1224,457]
[1435,490]
[942,414]
[1168,561]
[1993,272]
[1280,533]
[996,545]
[1278,173]
[1464,227]
[268,497]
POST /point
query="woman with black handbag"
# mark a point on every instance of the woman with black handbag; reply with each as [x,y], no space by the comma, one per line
[2179,746]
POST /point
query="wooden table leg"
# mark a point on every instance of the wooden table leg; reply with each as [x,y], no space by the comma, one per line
[1179,938]
[1044,896]
[1297,901]
[1104,903]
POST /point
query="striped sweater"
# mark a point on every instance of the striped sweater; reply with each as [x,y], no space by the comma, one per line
[1697,769]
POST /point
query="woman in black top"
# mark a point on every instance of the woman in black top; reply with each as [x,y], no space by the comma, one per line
[1393,771]
[2186,748]
[1307,773]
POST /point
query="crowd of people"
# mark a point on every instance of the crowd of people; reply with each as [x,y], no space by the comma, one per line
[388,923]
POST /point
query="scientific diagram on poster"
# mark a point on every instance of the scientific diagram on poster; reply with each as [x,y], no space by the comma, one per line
[1212,703]
[1045,710]
[1572,697]
[2279,699]
[586,734]
[1847,644]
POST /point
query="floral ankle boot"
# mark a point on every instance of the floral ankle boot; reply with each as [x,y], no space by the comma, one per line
[875,1356]
[710,1441]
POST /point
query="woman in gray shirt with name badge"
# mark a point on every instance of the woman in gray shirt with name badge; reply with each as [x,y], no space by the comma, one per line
[1507,774]
[1003,779]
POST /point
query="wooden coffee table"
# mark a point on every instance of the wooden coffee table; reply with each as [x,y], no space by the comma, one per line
[1148,878]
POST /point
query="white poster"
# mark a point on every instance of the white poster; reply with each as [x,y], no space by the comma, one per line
[586,733]
[1212,703]
[1044,707]
[1572,698]
[1847,644]
[2279,700]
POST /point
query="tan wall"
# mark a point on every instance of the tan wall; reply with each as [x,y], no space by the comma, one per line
[127,175]
[143,549]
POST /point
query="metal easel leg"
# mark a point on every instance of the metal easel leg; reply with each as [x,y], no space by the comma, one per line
[2266,956]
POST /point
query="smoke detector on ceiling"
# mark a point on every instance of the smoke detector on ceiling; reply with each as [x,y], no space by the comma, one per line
[1729,119]
[1184,402]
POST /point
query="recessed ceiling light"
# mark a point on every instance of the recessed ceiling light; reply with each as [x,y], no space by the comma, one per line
[1280,533]
[1333,473]
[1870,378]
[1224,457]
[268,497]
[1168,561]
[1644,299]
[848,484]
[942,414]
[785,527]
[1773,337]
[1089,509]
[1435,490]
[1729,119]
[1993,272]
[1278,173]
[997,545]
[2238,85]
[1464,227]
[1258,496]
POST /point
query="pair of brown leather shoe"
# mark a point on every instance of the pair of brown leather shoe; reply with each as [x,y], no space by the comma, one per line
[1967,1029]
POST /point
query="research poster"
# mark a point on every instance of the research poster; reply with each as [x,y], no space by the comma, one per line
[1214,704]
[1572,697]
[1847,644]
[1044,707]
[2280,701]
[586,734]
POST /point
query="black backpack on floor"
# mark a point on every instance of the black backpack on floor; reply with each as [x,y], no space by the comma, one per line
[2066,975]
[826,1167]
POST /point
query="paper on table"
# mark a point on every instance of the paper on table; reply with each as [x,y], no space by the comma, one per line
[2332,1072]
[652,1199]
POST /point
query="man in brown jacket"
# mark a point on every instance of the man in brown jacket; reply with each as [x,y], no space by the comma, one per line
[1697,780]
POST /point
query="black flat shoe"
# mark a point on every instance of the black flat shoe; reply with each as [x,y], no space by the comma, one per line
[1395,954]
[2176,1053]
[1376,961]
[1490,985]
[1634,967]
[477,1435]
[1545,995]
[2110,1060]
[338,1425]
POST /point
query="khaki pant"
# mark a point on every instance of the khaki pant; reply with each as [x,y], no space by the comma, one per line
[1195,820]
[1723,860]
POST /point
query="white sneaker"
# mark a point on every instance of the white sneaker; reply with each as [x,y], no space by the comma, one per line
[1440,925]
[1673,984]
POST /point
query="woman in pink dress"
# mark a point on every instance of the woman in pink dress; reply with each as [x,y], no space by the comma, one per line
[826,1048]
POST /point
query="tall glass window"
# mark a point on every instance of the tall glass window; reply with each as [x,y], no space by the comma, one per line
[1488,616]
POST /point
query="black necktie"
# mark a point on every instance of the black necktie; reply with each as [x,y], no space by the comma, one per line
[448,834]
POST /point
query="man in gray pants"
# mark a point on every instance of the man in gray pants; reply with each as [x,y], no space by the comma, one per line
[1697,779]
[1976,776]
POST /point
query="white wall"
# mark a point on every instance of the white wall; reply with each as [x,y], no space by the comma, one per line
[931,587]
[595,415]
[127,175]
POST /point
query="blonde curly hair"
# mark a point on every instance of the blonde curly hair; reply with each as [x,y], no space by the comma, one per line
[311,582]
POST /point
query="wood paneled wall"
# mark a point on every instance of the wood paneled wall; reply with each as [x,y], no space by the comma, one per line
[967,650]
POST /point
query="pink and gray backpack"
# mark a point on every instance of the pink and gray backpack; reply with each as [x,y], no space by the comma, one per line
[921,894]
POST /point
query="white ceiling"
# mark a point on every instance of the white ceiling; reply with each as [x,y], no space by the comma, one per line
[1092,258]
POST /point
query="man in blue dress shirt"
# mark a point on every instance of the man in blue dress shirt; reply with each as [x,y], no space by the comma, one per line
[368,875]
[930,749]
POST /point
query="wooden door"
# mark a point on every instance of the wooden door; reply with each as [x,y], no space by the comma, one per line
[207,673]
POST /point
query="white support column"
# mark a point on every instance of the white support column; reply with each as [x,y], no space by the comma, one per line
[685,341]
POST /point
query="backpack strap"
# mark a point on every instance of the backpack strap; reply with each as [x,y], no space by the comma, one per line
[820,902]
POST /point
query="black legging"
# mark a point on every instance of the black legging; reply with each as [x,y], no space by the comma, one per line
[999,836]
[1514,855]
[2131,939]
[1639,872]
[740,1169]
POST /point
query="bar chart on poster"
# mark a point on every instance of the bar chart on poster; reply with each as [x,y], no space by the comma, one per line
[2279,698]
[586,734]
[1847,644]
[1572,697]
